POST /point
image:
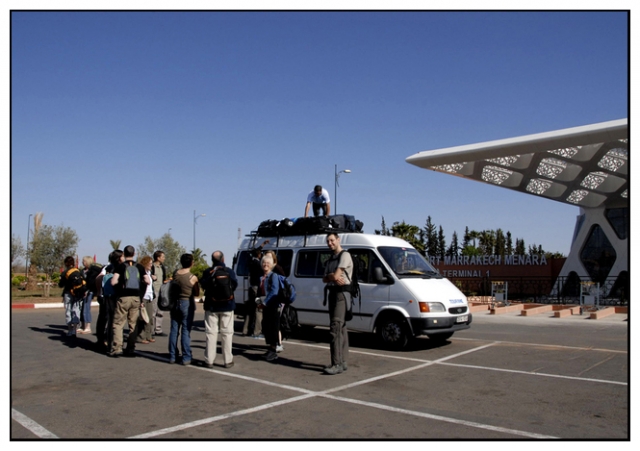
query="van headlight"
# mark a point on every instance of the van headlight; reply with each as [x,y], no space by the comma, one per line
[427,307]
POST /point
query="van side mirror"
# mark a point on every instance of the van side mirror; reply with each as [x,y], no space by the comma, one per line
[380,277]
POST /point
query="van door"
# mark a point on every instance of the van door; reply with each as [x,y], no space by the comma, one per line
[309,270]
[374,294]
[242,272]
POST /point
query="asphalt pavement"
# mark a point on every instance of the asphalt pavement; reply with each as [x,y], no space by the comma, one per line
[506,378]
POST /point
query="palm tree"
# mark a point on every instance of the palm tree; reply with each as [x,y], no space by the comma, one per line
[408,232]
[199,256]
[115,244]
[32,271]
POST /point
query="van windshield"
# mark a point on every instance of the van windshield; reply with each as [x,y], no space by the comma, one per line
[407,262]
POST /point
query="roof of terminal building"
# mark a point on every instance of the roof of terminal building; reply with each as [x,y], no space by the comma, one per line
[586,166]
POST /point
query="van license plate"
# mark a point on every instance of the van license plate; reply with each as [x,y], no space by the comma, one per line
[462,319]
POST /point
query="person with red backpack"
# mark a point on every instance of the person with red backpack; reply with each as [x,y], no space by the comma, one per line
[74,289]
[219,283]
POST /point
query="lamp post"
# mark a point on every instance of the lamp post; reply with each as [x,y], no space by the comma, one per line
[335,188]
[195,218]
[26,270]
[169,232]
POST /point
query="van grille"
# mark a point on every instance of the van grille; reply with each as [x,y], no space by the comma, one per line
[457,310]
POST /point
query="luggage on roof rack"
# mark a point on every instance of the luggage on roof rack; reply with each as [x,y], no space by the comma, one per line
[309,226]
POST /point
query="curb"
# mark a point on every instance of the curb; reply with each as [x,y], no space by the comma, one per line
[45,305]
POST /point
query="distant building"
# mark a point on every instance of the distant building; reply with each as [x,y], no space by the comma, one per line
[583,166]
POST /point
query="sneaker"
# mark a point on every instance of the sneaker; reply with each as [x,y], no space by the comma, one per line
[228,365]
[114,353]
[186,362]
[335,369]
[271,356]
[344,366]
[279,348]
[258,337]
[208,365]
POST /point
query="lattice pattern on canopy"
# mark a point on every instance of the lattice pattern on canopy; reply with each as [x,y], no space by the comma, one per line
[586,166]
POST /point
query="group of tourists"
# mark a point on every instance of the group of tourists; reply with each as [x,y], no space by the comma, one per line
[128,290]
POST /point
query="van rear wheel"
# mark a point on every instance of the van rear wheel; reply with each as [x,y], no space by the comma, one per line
[393,331]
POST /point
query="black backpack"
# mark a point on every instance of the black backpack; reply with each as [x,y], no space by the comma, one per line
[76,283]
[288,321]
[354,288]
[91,275]
[219,286]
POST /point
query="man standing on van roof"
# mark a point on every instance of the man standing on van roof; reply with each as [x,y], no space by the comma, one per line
[319,198]
[337,275]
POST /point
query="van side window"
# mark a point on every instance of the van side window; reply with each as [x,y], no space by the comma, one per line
[365,261]
[284,260]
[243,264]
[311,263]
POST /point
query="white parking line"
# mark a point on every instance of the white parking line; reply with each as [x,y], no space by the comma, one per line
[540,345]
[225,416]
[31,425]
[327,394]
[441,418]
[533,373]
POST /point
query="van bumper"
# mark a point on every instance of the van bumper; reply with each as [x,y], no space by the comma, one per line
[436,325]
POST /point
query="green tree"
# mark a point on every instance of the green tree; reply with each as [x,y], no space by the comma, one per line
[470,250]
[409,233]
[115,244]
[466,238]
[50,248]
[199,256]
[454,248]
[442,245]
[500,248]
[171,248]
[509,244]
[383,229]
[487,240]
[17,249]
[520,248]
[430,238]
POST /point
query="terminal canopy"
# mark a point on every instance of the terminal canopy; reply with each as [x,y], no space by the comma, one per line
[585,166]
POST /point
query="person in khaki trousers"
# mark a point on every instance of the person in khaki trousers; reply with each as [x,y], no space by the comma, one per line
[129,291]
[219,283]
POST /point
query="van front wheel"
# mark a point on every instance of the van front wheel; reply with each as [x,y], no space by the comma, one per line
[393,331]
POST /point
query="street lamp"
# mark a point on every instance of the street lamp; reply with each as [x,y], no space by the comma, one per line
[195,218]
[169,232]
[26,270]
[335,188]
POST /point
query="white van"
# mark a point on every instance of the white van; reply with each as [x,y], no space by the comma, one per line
[402,295]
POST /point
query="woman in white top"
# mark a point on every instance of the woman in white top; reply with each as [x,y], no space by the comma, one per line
[146,329]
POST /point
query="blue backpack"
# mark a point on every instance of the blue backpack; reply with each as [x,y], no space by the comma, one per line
[287,290]
[107,288]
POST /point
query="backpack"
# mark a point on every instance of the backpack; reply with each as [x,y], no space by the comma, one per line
[76,283]
[219,286]
[107,288]
[354,288]
[168,295]
[131,277]
[92,273]
[287,290]
[288,321]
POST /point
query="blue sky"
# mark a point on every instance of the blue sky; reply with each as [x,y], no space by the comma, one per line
[124,123]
